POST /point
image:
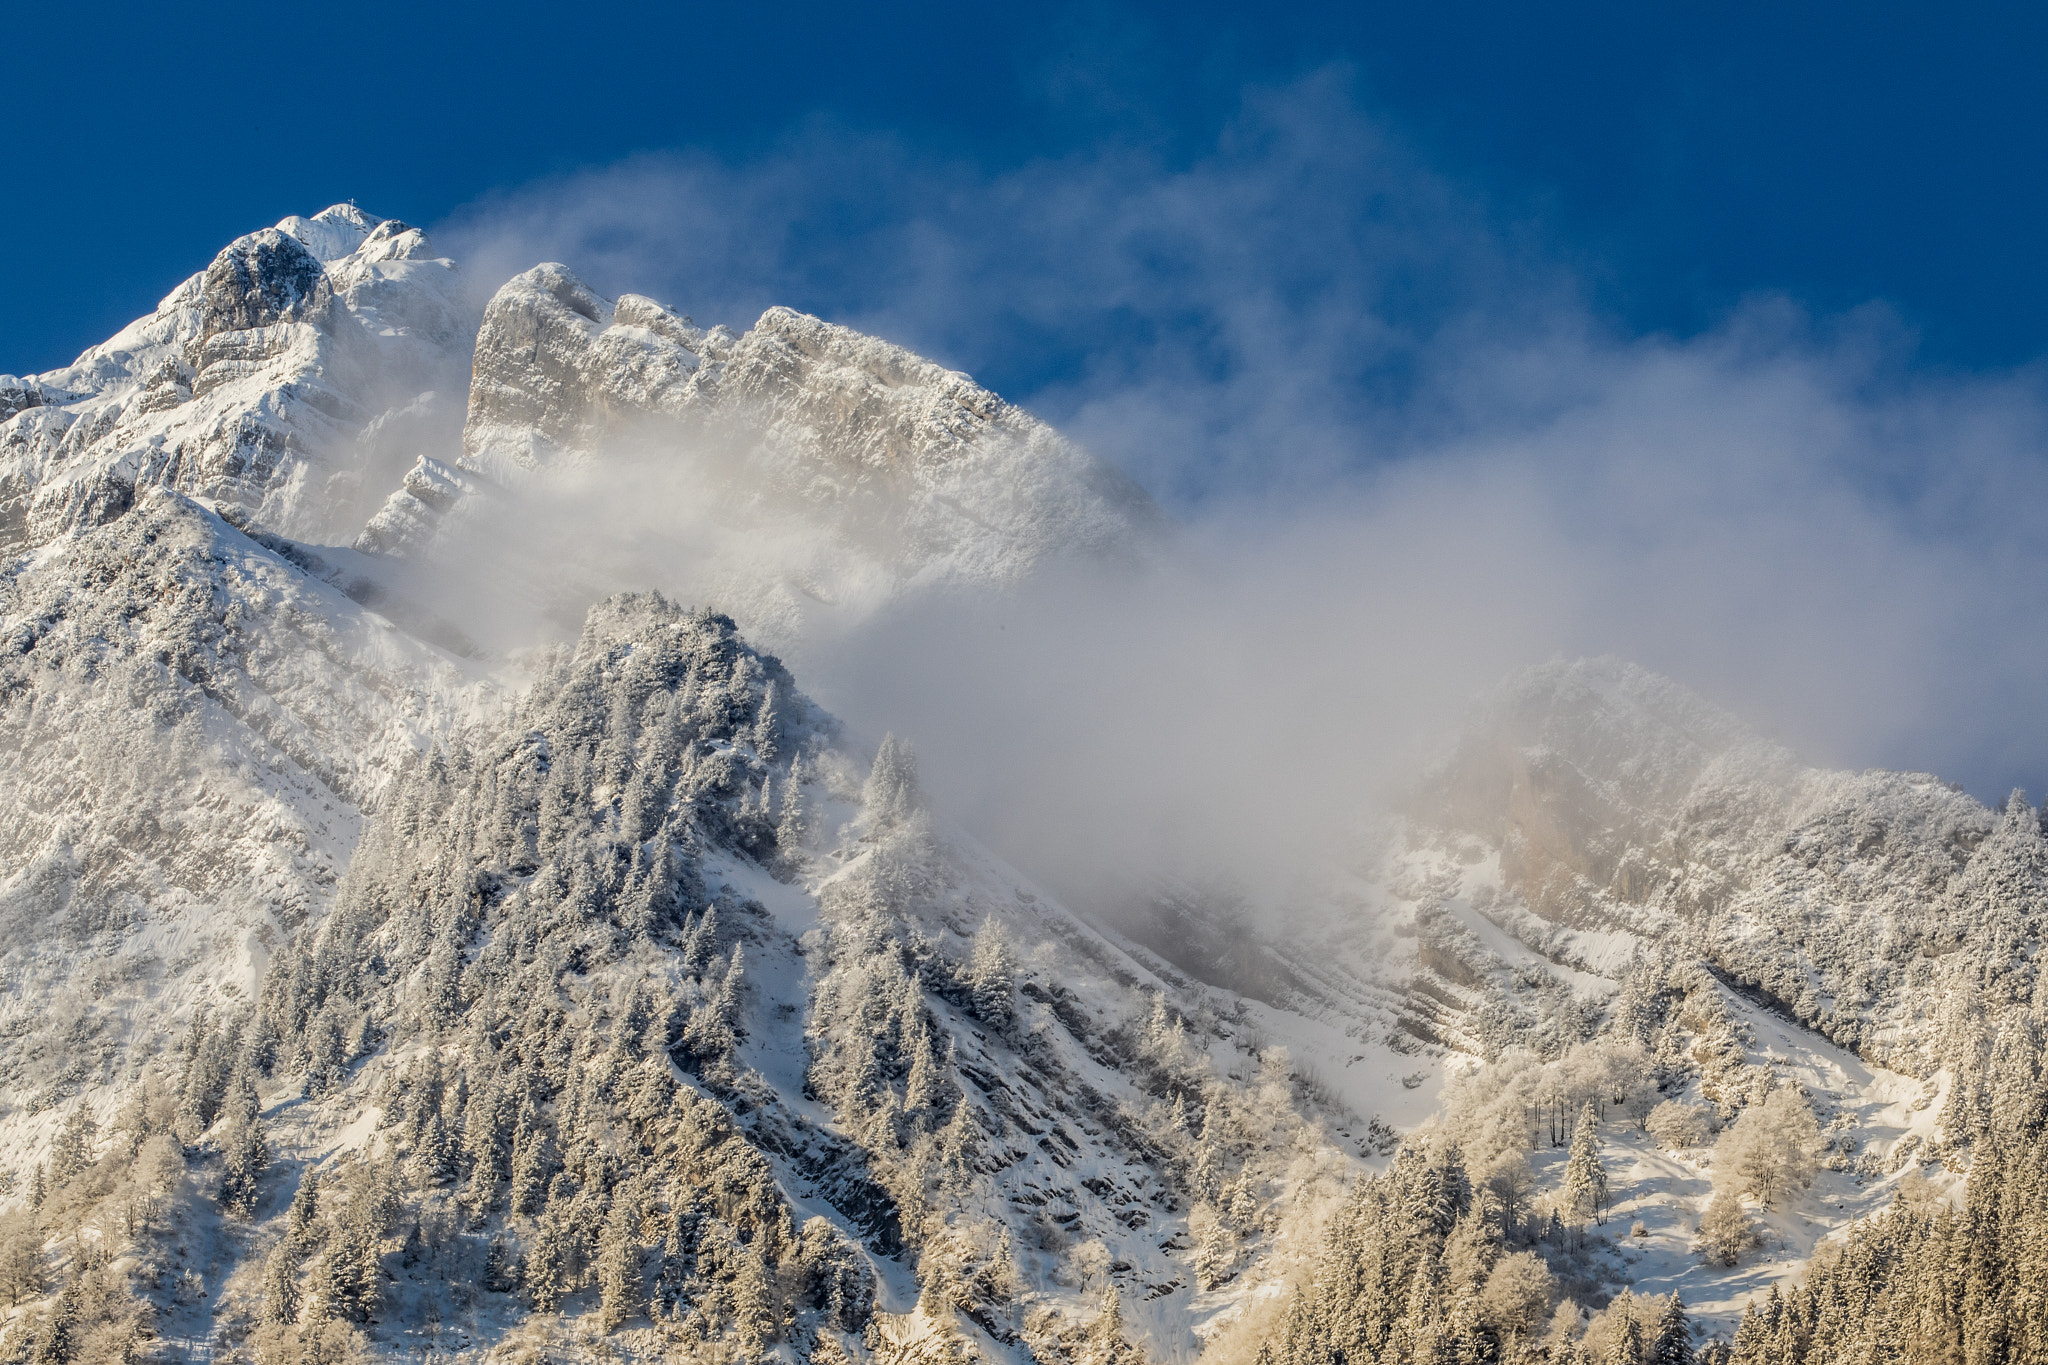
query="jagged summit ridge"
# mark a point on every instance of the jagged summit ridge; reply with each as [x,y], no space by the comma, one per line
[838,470]
[329,377]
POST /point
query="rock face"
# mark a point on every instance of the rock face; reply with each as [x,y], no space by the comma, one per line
[17,395]
[406,524]
[557,371]
[313,376]
[265,278]
[834,416]
[901,471]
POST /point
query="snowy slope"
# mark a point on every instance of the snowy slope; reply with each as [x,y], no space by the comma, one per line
[193,725]
[924,1053]
[1667,1191]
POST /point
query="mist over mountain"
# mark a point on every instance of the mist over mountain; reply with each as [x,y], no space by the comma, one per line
[534,828]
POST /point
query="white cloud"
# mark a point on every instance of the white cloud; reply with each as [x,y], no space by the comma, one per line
[1408,457]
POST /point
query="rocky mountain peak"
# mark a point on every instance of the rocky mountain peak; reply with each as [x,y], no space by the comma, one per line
[540,384]
[264,278]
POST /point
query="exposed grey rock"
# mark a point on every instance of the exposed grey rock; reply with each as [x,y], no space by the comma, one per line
[264,278]
[411,516]
[18,395]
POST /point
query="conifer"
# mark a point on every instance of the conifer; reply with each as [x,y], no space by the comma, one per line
[281,1286]
[618,1263]
[1673,1342]
[1107,1334]
[1585,1174]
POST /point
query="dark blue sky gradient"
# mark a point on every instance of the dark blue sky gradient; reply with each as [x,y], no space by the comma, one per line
[1677,157]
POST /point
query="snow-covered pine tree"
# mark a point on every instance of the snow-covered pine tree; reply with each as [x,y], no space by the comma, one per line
[72,1151]
[348,1288]
[753,1308]
[618,1261]
[546,1278]
[1626,1347]
[304,1210]
[1106,1337]
[281,1285]
[244,1152]
[992,974]
[1215,1258]
[1584,1194]
[892,794]
[1672,1344]
[244,1149]
[768,723]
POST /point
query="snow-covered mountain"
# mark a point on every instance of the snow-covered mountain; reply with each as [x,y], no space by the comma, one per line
[216,715]
[1613,811]
[1782,1017]
[286,378]
[376,978]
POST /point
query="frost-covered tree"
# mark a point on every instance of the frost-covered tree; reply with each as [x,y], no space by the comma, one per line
[892,794]
[22,1265]
[305,1208]
[1517,1295]
[618,1264]
[1725,1229]
[1626,1345]
[1584,1194]
[1677,1125]
[1770,1149]
[548,1275]
[72,1152]
[244,1154]
[245,1151]
[1216,1251]
[1672,1344]
[1106,1337]
[281,1285]
[992,974]
[753,1308]
[348,1280]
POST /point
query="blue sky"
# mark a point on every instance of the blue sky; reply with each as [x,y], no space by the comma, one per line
[1679,157]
